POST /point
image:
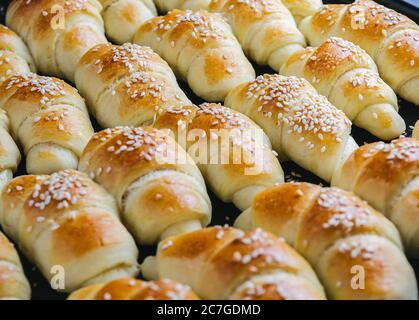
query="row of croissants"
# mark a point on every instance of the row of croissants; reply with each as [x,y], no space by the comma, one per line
[91,199]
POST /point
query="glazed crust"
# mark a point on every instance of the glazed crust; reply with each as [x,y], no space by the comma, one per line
[231,168]
[14,55]
[66,219]
[167,5]
[133,289]
[13,283]
[58,32]
[300,123]
[123,85]
[265,29]
[302,8]
[390,38]
[123,17]
[348,77]
[233,264]
[45,111]
[145,168]
[9,152]
[201,48]
[335,230]
[386,176]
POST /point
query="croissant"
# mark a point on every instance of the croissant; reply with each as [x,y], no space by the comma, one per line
[67,220]
[348,77]
[201,49]
[252,265]
[415,133]
[159,189]
[123,17]
[302,8]
[9,152]
[123,85]
[390,38]
[387,176]
[133,289]
[300,123]
[233,153]
[265,29]
[49,118]
[13,283]
[167,5]
[58,32]
[335,231]
[14,55]
[299,8]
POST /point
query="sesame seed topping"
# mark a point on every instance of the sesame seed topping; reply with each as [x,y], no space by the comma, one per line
[347,212]
[201,25]
[62,188]
[308,112]
[147,143]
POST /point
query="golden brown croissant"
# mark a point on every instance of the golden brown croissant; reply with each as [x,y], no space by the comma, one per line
[348,77]
[58,32]
[220,140]
[167,5]
[265,29]
[302,8]
[123,85]
[66,220]
[201,49]
[232,264]
[14,55]
[13,283]
[299,8]
[123,17]
[133,289]
[300,123]
[387,176]
[9,152]
[158,187]
[390,38]
[338,234]
[49,119]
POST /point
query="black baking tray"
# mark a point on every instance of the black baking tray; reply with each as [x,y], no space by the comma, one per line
[226,213]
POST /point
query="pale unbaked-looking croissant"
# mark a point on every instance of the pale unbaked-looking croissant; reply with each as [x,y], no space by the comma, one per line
[356,252]
[134,289]
[49,119]
[14,55]
[13,283]
[57,32]
[226,263]
[124,85]
[387,176]
[390,38]
[201,49]
[348,77]
[158,187]
[67,220]
[239,162]
[123,17]
[300,123]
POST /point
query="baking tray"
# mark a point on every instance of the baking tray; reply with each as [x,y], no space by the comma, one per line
[226,213]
